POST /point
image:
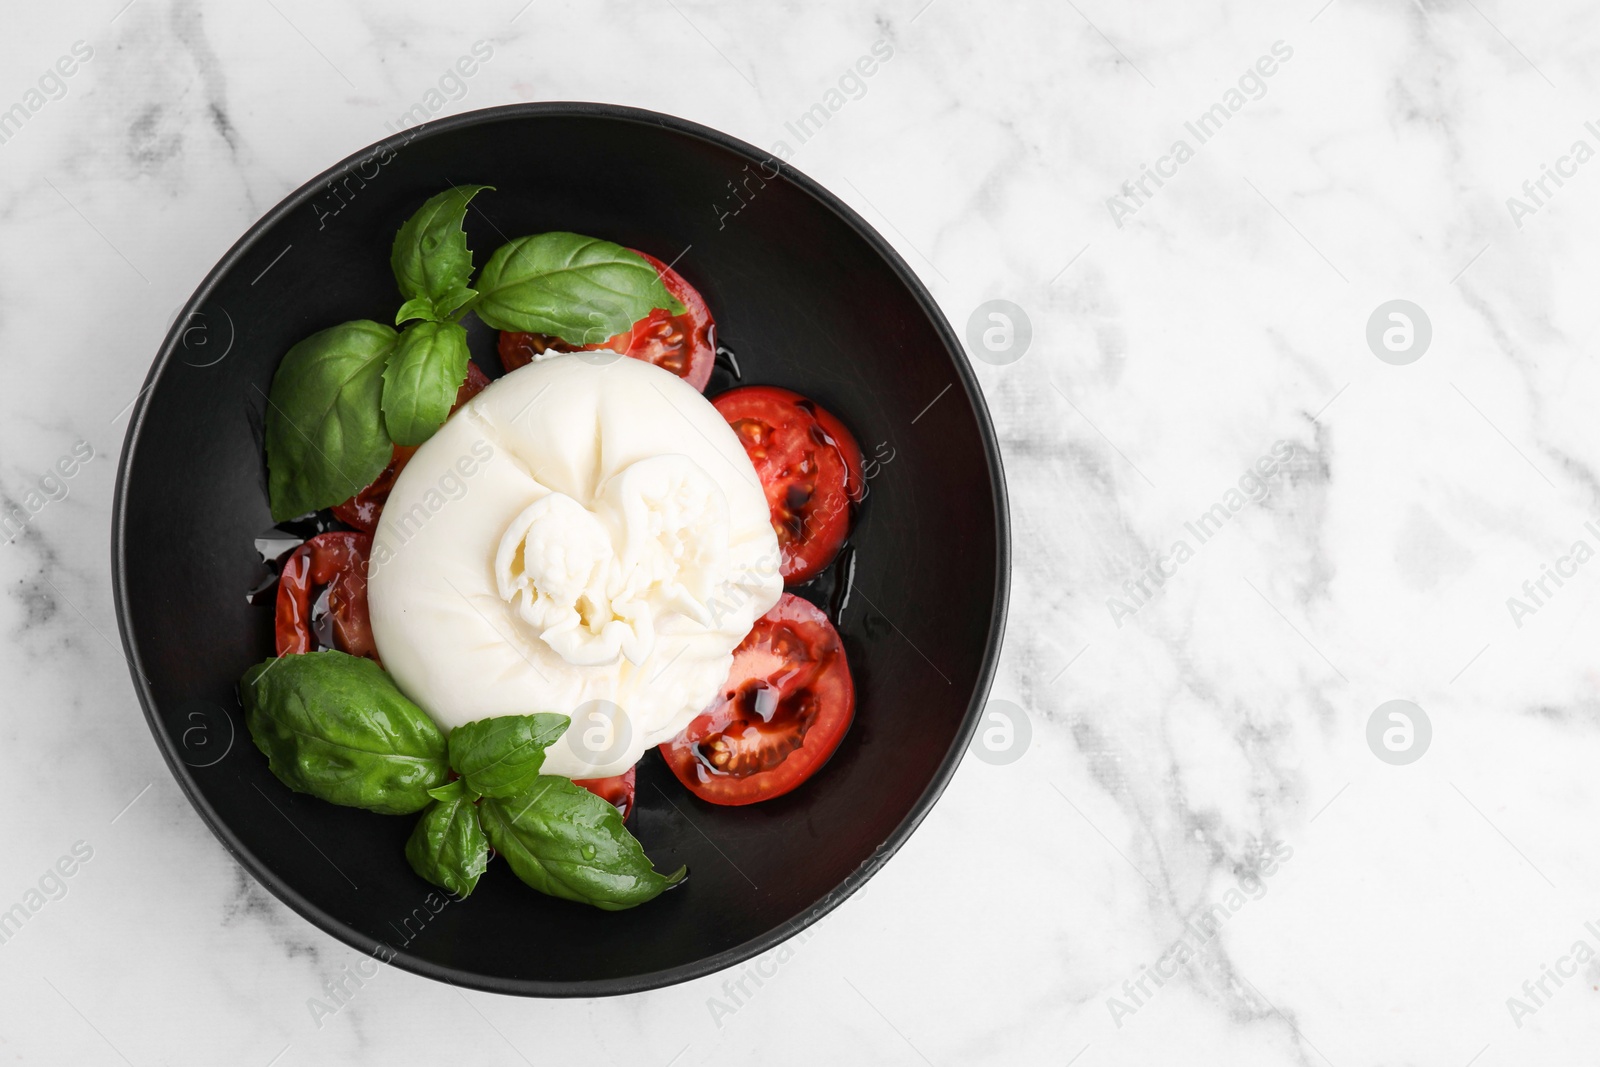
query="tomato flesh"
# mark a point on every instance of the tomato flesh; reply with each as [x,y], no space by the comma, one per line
[618,790]
[810,469]
[785,707]
[363,509]
[334,566]
[683,344]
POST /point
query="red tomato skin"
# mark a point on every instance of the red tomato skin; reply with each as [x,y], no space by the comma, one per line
[364,509]
[828,680]
[698,328]
[654,339]
[338,560]
[809,536]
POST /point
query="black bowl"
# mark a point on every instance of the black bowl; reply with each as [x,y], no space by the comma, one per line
[807,296]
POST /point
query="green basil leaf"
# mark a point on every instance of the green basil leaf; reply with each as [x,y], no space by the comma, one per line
[448,847]
[448,308]
[430,258]
[337,727]
[418,307]
[563,840]
[501,757]
[579,289]
[421,378]
[324,427]
[456,302]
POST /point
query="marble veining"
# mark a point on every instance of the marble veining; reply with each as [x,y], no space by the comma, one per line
[1198,855]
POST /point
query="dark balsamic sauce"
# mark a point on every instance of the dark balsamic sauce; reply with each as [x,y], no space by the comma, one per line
[322,620]
[726,373]
[726,360]
[274,544]
[265,591]
[771,716]
[844,581]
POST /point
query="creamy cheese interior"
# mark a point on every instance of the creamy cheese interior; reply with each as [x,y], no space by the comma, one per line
[579,538]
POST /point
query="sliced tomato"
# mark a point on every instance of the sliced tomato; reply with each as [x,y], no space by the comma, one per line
[683,344]
[786,706]
[618,790]
[334,564]
[363,509]
[809,466]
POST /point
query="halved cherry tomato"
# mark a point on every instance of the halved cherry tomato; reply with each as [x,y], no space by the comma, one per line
[363,509]
[809,466]
[786,706]
[683,344]
[337,563]
[618,790]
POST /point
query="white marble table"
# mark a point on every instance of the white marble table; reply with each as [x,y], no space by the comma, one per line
[1103,899]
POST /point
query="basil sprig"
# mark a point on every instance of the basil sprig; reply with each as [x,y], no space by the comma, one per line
[565,841]
[336,726]
[579,289]
[343,398]
[432,263]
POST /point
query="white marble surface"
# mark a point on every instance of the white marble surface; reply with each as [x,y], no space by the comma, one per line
[1227,313]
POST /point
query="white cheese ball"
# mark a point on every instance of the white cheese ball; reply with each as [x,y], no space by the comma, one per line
[582,538]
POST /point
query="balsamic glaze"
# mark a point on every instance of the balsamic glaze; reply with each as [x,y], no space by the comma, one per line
[274,544]
[728,362]
[322,620]
[844,581]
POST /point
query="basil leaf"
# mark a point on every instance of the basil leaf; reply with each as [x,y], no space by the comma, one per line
[430,258]
[579,289]
[448,847]
[418,307]
[501,757]
[448,308]
[337,727]
[452,789]
[324,428]
[563,840]
[456,302]
[421,378]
